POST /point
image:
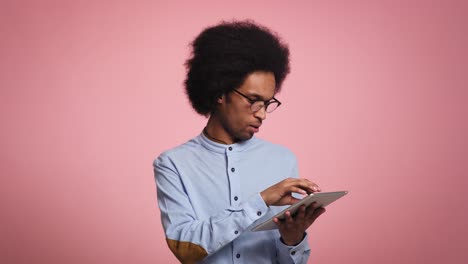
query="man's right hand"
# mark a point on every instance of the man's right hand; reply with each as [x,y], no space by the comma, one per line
[281,193]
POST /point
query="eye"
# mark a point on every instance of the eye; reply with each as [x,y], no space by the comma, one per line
[254,101]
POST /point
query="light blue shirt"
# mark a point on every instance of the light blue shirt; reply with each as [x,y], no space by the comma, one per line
[209,197]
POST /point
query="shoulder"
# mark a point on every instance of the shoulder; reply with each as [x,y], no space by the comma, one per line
[275,150]
[273,146]
[180,152]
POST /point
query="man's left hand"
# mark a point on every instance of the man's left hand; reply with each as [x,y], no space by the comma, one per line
[292,228]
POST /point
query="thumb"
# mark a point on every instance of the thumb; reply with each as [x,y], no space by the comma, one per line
[293,200]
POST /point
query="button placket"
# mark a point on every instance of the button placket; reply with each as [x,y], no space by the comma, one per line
[233,177]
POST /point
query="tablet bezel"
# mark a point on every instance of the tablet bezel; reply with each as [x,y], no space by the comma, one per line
[322,198]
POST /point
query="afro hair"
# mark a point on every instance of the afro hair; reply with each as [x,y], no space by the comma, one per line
[224,55]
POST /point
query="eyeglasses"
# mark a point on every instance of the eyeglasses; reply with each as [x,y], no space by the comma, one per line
[256,105]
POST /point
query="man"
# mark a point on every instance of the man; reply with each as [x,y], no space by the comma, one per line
[212,189]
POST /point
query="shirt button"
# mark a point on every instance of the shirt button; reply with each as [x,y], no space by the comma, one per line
[293,252]
[236,232]
[236,198]
[259,213]
[233,170]
[237,255]
[230,148]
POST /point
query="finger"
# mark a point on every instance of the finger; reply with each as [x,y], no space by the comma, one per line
[315,187]
[297,190]
[280,223]
[276,221]
[317,212]
[290,200]
[304,184]
[310,209]
[294,200]
[298,187]
[313,213]
[289,219]
[300,216]
[301,213]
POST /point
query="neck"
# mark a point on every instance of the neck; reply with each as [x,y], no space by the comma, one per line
[213,138]
[216,132]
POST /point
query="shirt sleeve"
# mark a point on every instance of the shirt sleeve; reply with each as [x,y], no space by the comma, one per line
[298,254]
[192,239]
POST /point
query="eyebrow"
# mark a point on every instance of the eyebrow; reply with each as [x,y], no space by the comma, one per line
[258,97]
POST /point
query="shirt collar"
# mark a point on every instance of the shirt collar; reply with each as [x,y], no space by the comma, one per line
[222,148]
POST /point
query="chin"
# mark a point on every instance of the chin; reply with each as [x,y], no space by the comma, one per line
[245,136]
[239,138]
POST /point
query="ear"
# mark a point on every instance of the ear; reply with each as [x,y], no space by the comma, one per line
[220,99]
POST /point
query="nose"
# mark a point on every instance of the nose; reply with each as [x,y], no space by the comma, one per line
[261,113]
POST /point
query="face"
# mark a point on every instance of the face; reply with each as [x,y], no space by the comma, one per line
[234,113]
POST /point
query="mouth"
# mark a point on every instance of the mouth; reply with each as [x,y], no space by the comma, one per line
[256,127]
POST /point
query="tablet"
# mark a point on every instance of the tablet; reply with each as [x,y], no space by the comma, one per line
[322,198]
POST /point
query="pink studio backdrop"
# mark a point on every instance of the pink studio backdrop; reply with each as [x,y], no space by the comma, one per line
[91,93]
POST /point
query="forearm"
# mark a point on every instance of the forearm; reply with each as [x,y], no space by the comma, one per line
[216,231]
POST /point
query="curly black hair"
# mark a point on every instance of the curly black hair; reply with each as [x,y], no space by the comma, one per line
[225,54]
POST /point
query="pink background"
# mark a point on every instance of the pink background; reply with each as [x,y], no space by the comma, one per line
[91,93]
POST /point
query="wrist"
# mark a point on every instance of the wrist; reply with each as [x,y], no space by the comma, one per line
[292,242]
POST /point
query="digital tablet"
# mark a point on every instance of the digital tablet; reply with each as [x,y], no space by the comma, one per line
[322,198]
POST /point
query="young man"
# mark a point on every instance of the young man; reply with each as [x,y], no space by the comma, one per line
[213,188]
